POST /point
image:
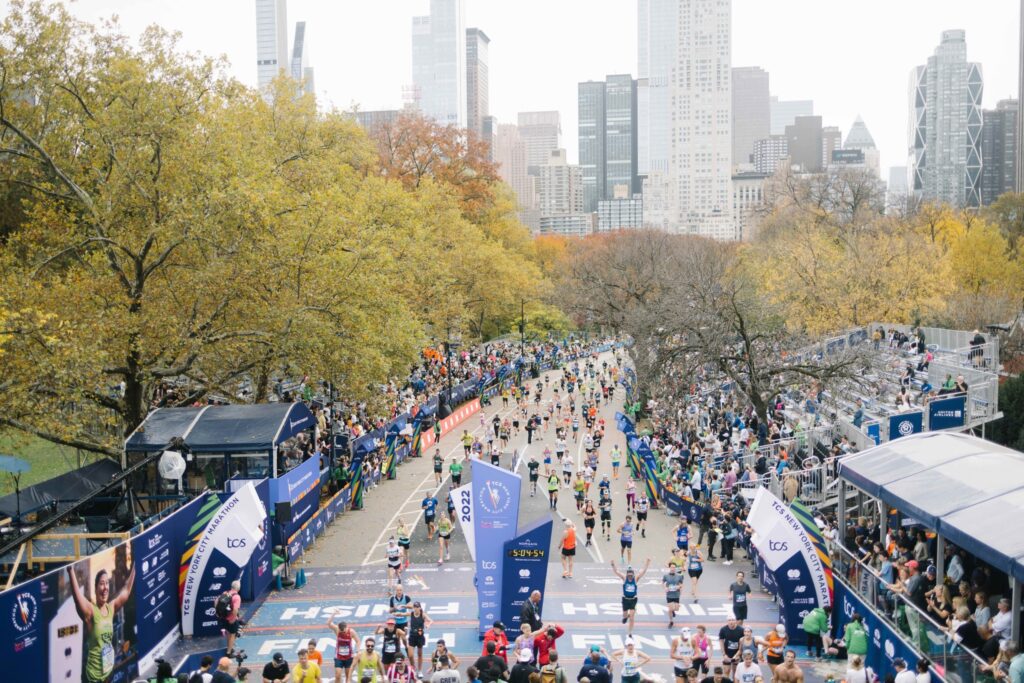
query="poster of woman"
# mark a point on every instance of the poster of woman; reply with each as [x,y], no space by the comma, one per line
[100,589]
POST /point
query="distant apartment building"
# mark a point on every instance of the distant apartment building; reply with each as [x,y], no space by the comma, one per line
[804,141]
[831,141]
[770,153]
[999,150]
[859,138]
[509,152]
[748,202]
[541,133]
[371,120]
[626,213]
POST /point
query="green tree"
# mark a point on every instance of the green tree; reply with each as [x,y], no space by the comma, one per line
[1009,430]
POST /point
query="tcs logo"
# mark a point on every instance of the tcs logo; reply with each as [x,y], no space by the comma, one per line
[778,546]
[236,542]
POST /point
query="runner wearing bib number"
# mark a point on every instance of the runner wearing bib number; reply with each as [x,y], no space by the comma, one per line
[345,645]
[630,594]
[631,660]
[392,641]
[694,567]
[367,664]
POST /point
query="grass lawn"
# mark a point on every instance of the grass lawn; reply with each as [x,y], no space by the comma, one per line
[47,459]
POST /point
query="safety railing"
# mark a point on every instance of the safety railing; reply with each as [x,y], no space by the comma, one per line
[931,639]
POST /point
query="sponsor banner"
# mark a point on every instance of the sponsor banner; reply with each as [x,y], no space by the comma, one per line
[693,510]
[874,431]
[947,413]
[300,487]
[220,557]
[462,499]
[783,544]
[52,632]
[458,416]
[495,515]
[905,424]
[526,569]
[261,567]
[884,644]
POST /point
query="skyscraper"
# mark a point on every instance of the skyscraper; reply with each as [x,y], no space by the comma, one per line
[688,42]
[591,142]
[509,152]
[301,70]
[999,145]
[769,153]
[831,140]
[784,113]
[860,138]
[608,138]
[945,125]
[1020,99]
[541,133]
[477,59]
[751,111]
[560,194]
[439,62]
[804,141]
[271,41]
[656,58]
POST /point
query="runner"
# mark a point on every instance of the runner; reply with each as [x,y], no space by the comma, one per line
[367,663]
[398,608]
[790,672]
[641,506]
[401,671]
[429,507]
[346,642]
[553,483]
[579,488]
[616,461]
[396,560]
[747,671]
[683,534]
[392,641]
[682,652]
[631,660]
[455,469]
[533,467]
[567,469]
[739,589]
[672,581]
[589,520]
[625,532]
[630,593]
[694,567]
[775,647]
[749,642]
[702,645]
[467,441]
[729,638]
[605,504]
[419,623]
[630,493]
[404,542]
[438,466]
[568,546]
[444,537]
[547,461]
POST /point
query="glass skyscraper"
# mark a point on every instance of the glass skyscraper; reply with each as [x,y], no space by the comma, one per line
[945,125]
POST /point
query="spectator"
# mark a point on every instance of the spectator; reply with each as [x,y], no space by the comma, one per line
[491,667]
[857,672]
[923,675]
[223,672]
[530,613]
[446,674]
[902,674]
[1002,621]
[203,673]
[593,671]
[496,635]
[552,672]
[276,670]
[522,669]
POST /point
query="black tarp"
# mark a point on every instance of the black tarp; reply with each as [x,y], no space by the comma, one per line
[69,486]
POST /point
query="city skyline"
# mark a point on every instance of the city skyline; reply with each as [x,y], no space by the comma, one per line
[843,79]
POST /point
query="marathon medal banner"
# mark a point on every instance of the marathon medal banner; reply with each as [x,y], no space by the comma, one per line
[526,570]
[905,424]
[220,556]
[791,556]
[495,516]
[947,413]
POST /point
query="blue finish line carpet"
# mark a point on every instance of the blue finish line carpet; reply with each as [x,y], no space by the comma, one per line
[588,607]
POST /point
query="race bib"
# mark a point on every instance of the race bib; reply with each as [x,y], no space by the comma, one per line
[344,652]
[107,655]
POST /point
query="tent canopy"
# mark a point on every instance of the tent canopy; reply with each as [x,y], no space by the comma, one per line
[968,489]
[68,486]
[222,429]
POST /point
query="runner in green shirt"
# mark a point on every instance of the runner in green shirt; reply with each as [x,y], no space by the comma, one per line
[455,469]
[444,536]
[553,483]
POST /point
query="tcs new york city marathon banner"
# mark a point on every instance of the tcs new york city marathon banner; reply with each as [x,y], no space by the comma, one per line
[792,566]
[510,563]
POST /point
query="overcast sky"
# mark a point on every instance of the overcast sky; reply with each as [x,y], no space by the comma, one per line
[849,57]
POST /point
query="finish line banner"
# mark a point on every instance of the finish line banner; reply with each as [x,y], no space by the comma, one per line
[526,570]
[495,516]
